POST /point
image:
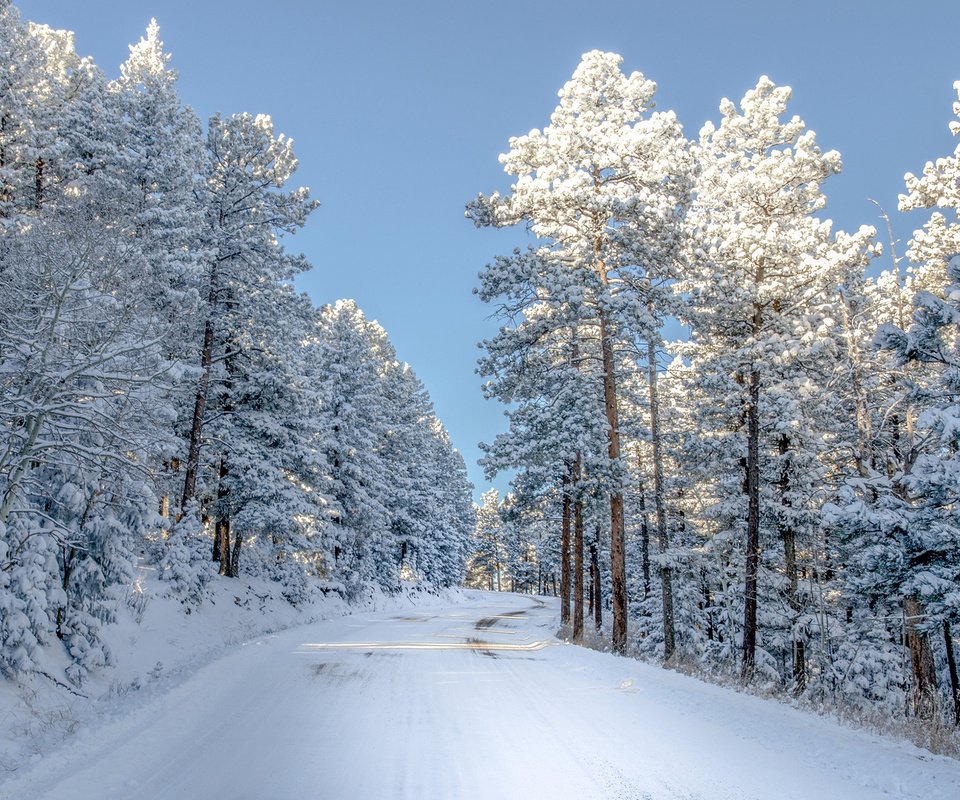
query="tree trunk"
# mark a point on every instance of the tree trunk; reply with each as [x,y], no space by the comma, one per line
[663,533]
[753,528]
[68,562]
[235,556]
[707,604]
[565,550]
[921,661]
[23,463]
[577,556]
[593,578]
[752,485]
[597,588]
[618,566]
[952,667]
[6,192]
[789,537]
[221,529]
[221,542]
[644,531]
[38,184]
[199,407]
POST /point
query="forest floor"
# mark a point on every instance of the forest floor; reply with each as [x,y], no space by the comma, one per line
[470,697]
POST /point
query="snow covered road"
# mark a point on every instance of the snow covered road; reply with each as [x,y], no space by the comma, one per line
[472,701]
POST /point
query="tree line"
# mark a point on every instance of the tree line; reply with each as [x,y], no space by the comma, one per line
[169,401]
[774,494]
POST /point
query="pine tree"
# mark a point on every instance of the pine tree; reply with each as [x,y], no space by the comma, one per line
[596,186]
[921,562]
[489,559]
[764,267]
[355,353]
[247,212]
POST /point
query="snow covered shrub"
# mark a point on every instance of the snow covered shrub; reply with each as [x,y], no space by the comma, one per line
[185,558]
[29,593]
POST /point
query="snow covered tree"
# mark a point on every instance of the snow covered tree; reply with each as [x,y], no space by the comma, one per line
[83,386]
[354,354]
[155,173]
[150,336]
[765,273]
[21,105]
[487,563]
[246,273]
[597,187]
[441,508]
[539,366]
[914,553]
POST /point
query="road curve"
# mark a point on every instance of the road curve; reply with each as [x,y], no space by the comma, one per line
[478,700]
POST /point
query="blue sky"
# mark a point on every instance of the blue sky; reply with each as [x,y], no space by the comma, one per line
[400,109]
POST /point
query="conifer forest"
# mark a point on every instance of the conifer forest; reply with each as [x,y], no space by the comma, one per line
[167,395]
[731,429]
[747,444]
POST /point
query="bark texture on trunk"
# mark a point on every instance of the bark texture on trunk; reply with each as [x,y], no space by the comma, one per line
[565,551]
[752,565]
[618,567]
[752,485]
[38,183]
[235,556]
[199,408]
[921,661]
[593,577]
[577,556]
[597,588]
[644,533]
[952,668]
[659,503]
[788,536]
[221,528]
[221,544]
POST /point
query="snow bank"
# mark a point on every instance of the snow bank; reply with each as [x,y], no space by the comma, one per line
[157,643]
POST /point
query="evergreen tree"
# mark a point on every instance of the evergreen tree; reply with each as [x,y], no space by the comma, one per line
[488,561]
[765,268]
[596,186]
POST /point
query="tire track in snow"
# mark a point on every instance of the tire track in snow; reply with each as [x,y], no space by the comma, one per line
[409,707]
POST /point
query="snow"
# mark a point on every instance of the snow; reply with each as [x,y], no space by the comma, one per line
[157,644]
[464,696]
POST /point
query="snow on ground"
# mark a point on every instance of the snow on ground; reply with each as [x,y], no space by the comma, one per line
[158,644]
[470,698]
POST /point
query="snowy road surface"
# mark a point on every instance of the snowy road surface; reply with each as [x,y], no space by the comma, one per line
[472,701]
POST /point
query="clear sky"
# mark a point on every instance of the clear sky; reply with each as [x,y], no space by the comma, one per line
[399,110]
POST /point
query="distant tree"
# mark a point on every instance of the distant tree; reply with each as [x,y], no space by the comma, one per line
[487,563]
